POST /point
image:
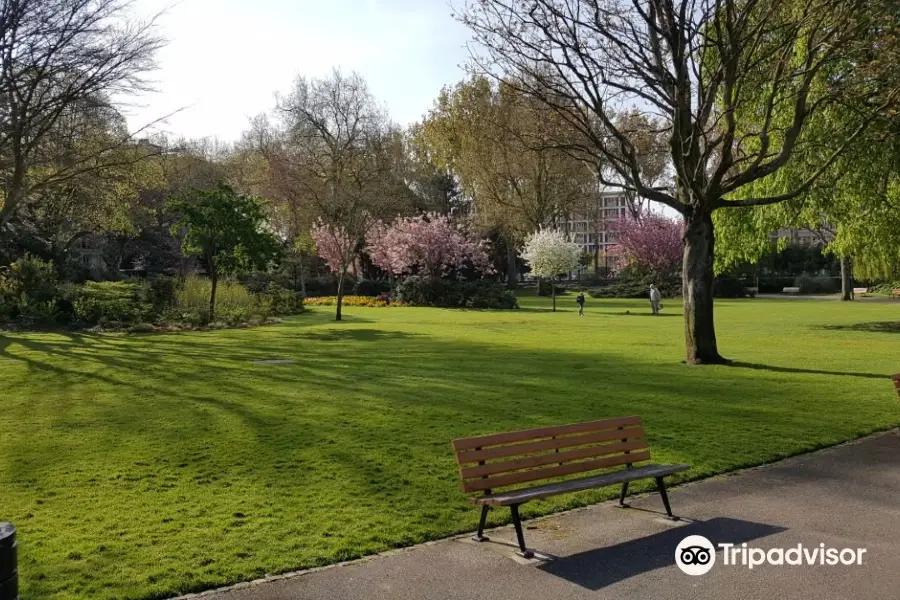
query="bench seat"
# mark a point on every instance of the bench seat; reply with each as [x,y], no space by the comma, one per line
[578,485]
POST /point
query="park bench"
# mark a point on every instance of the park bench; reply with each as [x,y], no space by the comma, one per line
[895,293]
[860,291]
[896,379]
[790,290]
[490,462]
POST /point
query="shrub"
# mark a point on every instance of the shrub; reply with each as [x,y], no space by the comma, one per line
[162,292]
[351,301]
[774,285]
[486,294]
[449,293]
[327,285]
[29,289]
[728,286]
[544,288]
[817,284]
[234,303]
[638,286]
[371,287]
[115,301]
[282,301]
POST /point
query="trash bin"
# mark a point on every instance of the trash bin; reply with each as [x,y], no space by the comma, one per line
[9,574]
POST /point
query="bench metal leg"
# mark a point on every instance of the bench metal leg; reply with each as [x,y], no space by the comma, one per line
[622,495]
[479,537]
[517,522]
[665,498]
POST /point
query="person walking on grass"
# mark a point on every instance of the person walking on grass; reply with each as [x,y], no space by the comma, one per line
[580,301]
[655,299]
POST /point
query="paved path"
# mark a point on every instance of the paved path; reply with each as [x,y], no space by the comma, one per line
[844,497]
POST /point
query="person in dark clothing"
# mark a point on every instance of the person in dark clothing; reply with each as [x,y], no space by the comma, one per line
[580,301]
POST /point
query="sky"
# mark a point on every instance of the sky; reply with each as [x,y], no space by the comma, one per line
[226,59]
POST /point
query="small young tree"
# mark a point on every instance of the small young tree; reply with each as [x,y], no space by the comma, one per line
[226,230]
[427,245]
[652,242]
[338,249]
[549,252]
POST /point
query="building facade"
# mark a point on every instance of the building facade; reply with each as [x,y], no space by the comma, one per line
[592,227]
[803,237]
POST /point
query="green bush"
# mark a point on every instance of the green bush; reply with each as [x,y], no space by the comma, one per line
[487,294]
[817,284]
[112,301]
[234,302]
[162,292]
[282,301]
[774,285]
[544,288]
[29,290]
[451,293]
[371,287]
[638,286]
[728,286]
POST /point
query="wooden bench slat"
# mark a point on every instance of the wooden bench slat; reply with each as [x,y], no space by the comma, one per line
[549,459]
[577,485]
[541,432]
[499,481]
[473,456]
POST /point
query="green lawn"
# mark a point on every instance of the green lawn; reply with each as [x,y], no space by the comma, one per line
[142,466]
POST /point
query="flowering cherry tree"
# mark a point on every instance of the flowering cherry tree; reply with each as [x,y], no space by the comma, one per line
[338,249]
[427,245]
[652,242]
[549,253]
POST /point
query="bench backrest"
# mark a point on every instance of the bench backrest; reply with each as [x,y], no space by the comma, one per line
[489,462]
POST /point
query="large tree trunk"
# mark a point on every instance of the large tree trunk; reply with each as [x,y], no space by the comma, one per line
[846,278]
[697,288]
[214,277]
[511,270]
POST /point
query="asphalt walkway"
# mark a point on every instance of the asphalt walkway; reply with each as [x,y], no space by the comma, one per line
[843,497]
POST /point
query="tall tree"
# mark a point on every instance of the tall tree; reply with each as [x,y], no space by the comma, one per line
[507,150]
[700,66]
[341,154]
[227,230]
[59,60]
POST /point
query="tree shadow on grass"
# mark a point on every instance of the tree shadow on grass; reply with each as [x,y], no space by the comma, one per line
[353,436]
[358,335]
[775,369]
[871,327]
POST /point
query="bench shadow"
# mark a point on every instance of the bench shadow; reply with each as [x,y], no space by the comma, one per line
[602,567]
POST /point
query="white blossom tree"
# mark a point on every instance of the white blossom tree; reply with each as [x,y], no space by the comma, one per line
[549,253]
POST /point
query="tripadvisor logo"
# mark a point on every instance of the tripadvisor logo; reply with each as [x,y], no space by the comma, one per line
[696,555]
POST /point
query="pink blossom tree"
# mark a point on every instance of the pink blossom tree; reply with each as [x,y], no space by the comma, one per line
[651,241]
[427,245]
[338,249]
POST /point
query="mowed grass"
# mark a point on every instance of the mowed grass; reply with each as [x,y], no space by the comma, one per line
[143,466]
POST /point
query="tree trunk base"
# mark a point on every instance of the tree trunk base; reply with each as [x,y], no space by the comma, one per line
[710,360]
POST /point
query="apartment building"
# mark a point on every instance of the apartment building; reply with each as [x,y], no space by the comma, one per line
[591,228]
